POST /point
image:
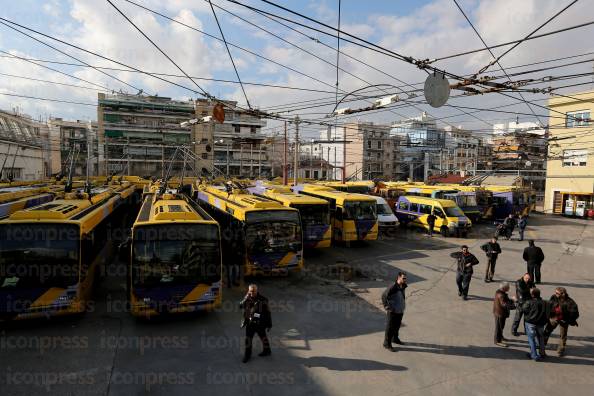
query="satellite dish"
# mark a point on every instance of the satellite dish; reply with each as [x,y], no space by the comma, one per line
[437,89]
[528,164]
[218,113]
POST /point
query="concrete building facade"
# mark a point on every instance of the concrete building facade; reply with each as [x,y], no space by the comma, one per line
[570,161]
[138,134]
[239,148]
[25,152]
[76,137]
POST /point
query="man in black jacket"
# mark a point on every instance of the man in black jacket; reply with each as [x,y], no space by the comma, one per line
[394,302]
[523,286]
[536,315]
[534,257]
[256,320]
[431,223]
[465,262]
[492,249]
[564,314]
[510,224]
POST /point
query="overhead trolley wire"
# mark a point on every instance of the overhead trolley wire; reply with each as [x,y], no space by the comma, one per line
[230,56]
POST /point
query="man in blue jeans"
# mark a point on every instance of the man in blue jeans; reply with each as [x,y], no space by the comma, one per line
[536,315]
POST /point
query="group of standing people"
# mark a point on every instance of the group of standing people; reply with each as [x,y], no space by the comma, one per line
[541,317]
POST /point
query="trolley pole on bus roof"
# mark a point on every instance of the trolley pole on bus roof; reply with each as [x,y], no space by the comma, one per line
[296,167]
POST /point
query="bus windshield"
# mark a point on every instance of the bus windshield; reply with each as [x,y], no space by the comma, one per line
[463,200]
[176,254]
[360,210]
[453,211]
[314,214]
[273,231]
[39,255]
[383,209]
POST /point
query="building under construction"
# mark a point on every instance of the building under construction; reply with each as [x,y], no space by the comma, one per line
[139,135]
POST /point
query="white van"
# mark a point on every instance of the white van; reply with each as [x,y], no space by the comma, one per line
[385,217]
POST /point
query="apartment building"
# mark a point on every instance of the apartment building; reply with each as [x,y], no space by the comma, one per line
[77,139]
[570,160]
[139,134]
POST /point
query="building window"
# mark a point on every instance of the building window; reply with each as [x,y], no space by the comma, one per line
[575,119]
[204,155]
[237,128]
[253,130]
[369,144]
[379,144]
[307,174]
[379,156]
[575,157]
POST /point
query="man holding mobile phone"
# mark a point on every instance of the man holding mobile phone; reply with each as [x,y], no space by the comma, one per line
[256,320]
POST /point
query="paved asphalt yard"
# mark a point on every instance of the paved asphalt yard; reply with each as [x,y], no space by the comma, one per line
[327,334]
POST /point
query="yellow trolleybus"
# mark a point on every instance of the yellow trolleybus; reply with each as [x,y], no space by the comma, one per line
[315,213]
[260,233]
[51,254]
[175,260]
[354,216]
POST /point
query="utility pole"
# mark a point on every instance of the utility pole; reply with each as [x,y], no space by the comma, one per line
[228,153]
[271,160]
[259,159]
[285,181]
[183,174]
[295,170]
[329,166]
[240,159]
[311,158]
[344,163]
[251,160]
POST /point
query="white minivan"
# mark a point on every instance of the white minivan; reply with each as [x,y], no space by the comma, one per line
[385,217]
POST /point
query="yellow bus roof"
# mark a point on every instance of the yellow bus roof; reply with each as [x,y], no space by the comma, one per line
[238,202]
[167,208]
[75,208]
[430,201]
[285,196]
[339,196]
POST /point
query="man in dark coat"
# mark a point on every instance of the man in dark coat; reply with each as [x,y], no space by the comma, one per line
[502,304]
[564,314]
[534,257]
[431,223]
[510,224]
[492,249]
[536,316]
[465,262]
[523,286]
[256,320]
[522,226]
[394,302]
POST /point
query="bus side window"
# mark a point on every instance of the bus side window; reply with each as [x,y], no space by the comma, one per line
[402,205]
[414,207]
[425,209]
[438,212]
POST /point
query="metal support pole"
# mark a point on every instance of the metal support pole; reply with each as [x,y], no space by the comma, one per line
[335,162]
[251,160]
[285,175]
[271,160]
[259,160]
[228,159]
[329,166]
[240,159]
[344,163]
[296,168]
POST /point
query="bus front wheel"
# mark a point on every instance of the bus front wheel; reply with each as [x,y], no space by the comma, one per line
[444,231]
